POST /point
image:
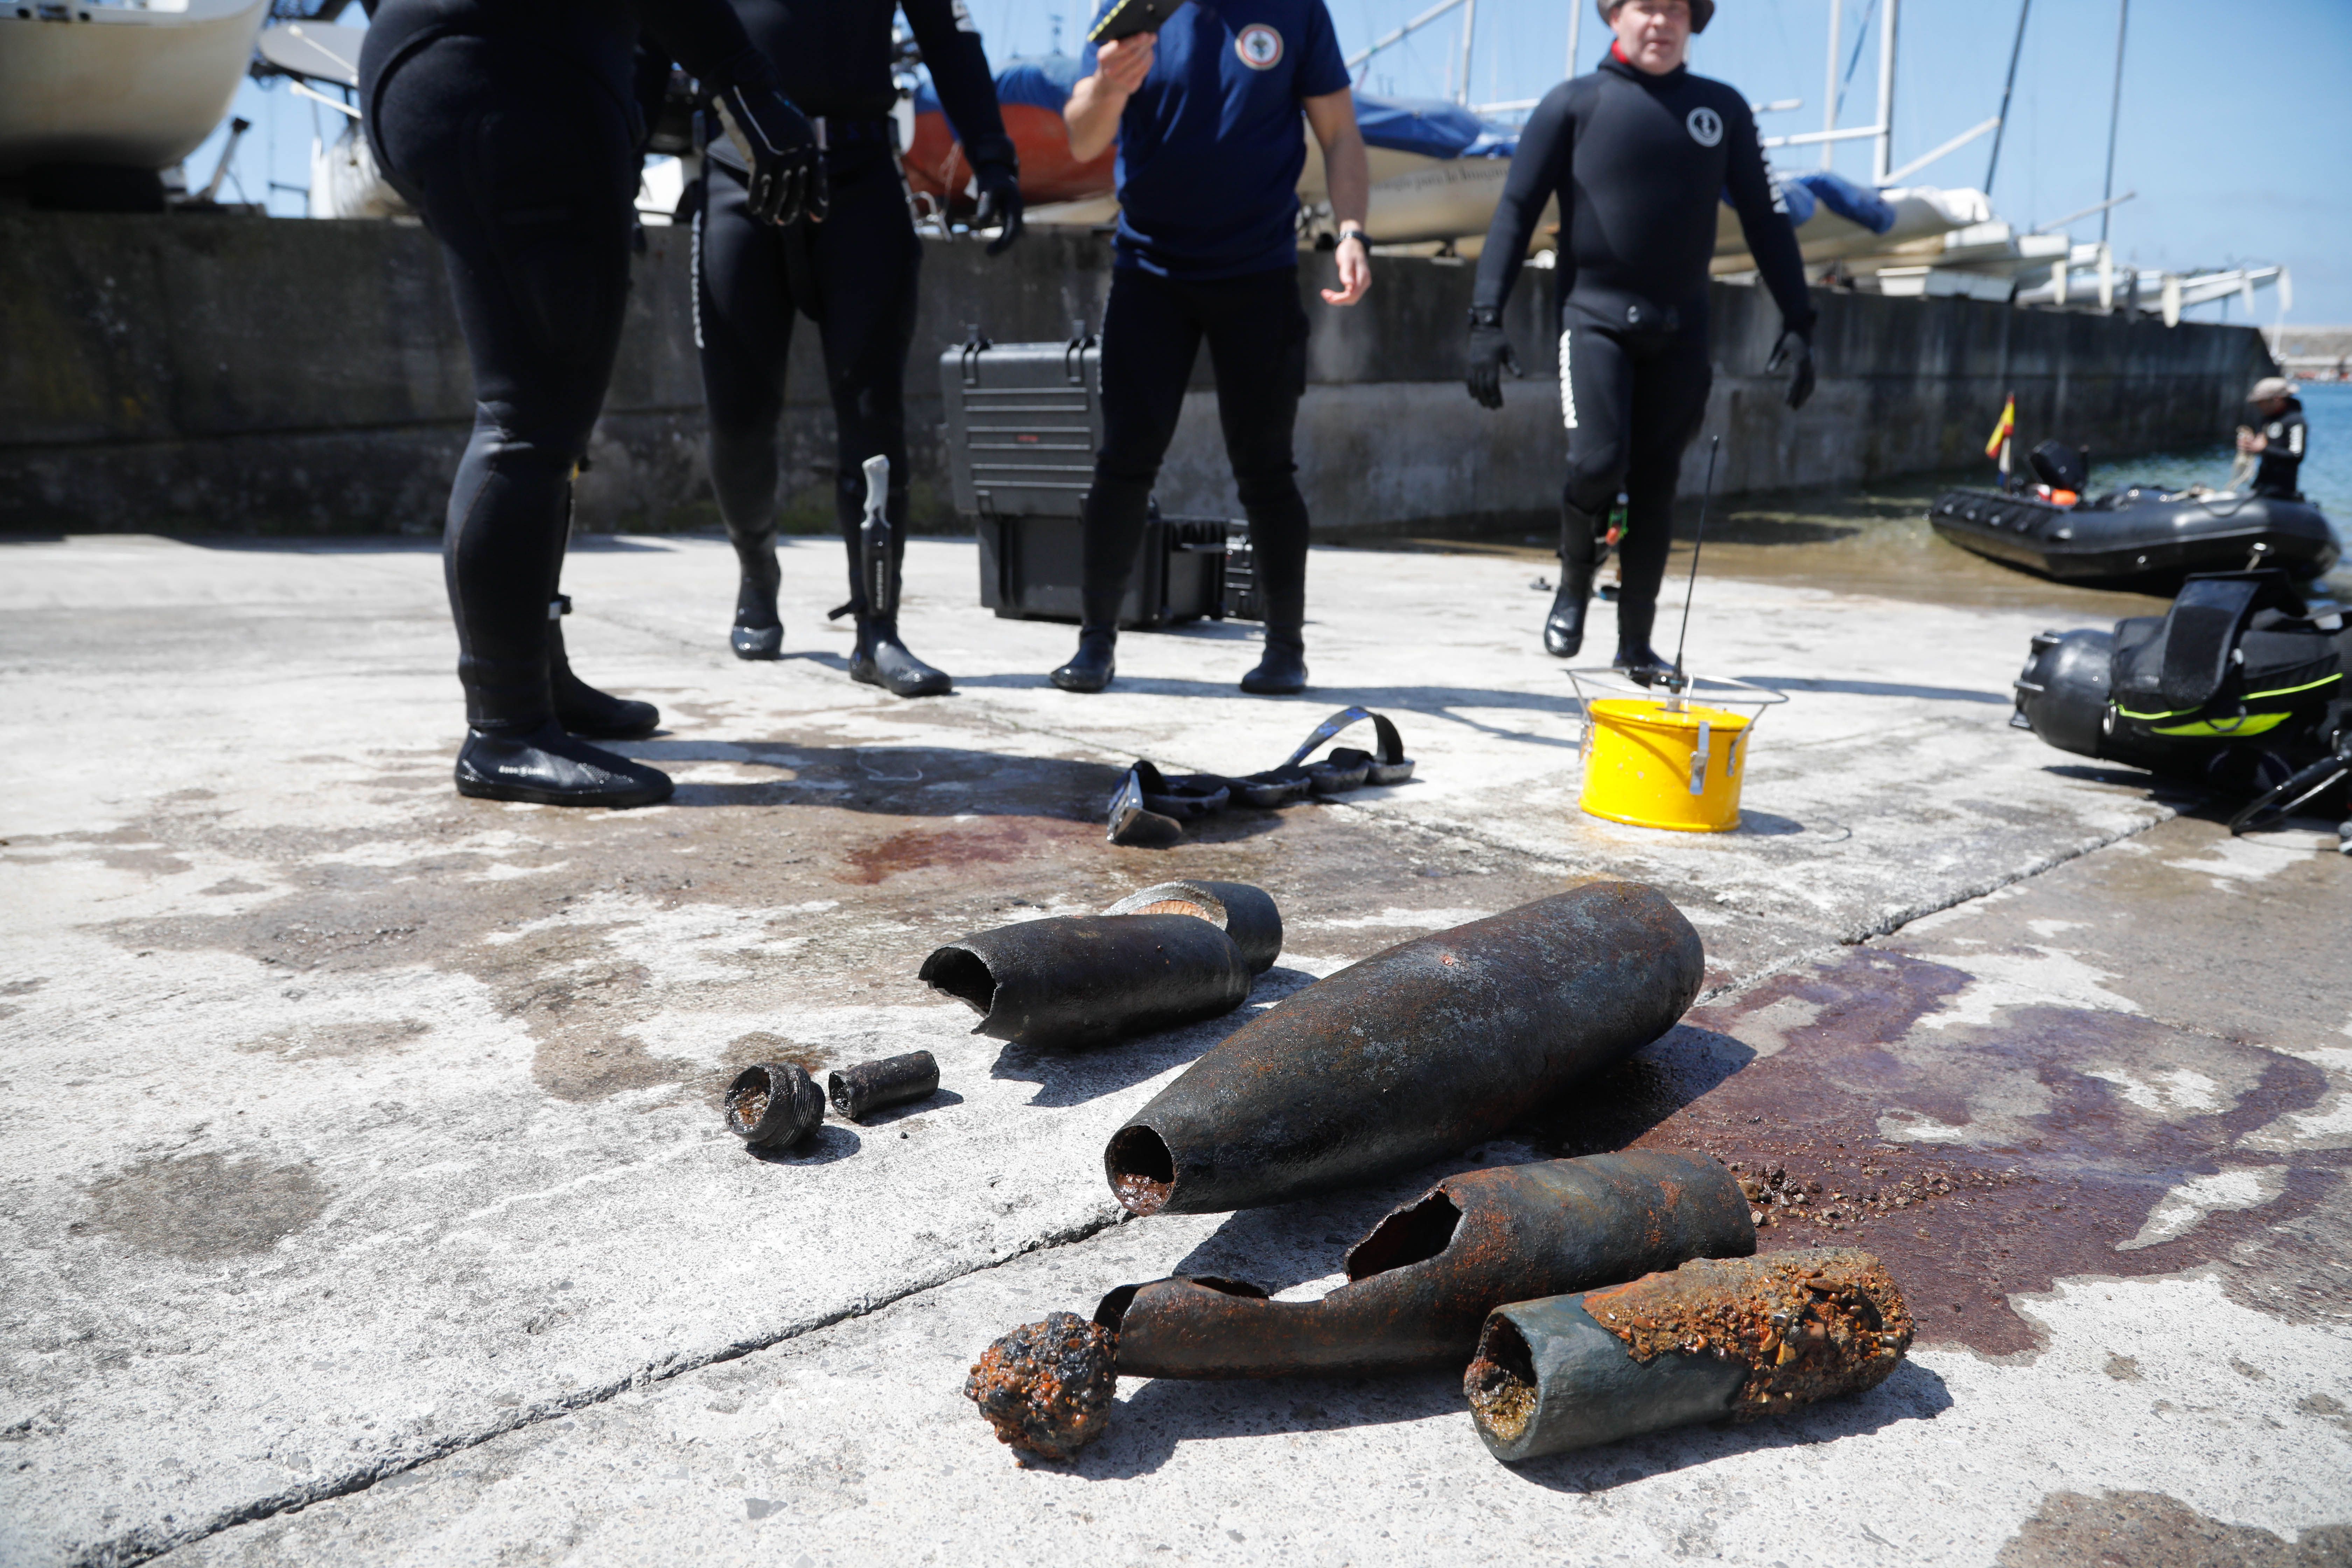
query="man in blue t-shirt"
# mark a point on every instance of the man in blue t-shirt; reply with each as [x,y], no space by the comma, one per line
[1207,116]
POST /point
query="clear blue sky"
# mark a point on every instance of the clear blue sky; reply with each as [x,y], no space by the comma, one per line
[2236,119]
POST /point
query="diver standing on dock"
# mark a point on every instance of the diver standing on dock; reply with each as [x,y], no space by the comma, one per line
[2278,447]
[1638,153]
[852,271]
[510,125]
[1206,113]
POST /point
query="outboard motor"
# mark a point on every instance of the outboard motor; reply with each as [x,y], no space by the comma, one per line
[2061,468]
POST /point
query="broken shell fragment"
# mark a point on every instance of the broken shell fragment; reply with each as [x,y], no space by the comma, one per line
[773,1105]
[1089,980]
[1420,1285]
[1413,1053]
[1047,1387]
[1735,1338]
[859,1092]
[1243,912]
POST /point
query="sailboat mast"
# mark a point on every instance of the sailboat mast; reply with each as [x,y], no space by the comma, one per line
[2115,115]
[1885,160]
[1829,89]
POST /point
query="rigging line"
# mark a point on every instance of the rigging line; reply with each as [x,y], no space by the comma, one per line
[2016,49]
[1860,36]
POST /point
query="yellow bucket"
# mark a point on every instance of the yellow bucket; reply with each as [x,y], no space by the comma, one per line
[1659,766]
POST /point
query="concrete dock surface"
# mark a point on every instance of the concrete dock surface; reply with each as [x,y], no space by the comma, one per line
[367,1200]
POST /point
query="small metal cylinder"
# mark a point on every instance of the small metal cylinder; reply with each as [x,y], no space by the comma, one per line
[1736,1338]
[773,1105]
[871,1086]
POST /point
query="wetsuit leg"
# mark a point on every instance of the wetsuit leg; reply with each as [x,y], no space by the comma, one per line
[1669,402]
[1150,336]
[1256,334]
[743,335]
[866,262]
[523,170]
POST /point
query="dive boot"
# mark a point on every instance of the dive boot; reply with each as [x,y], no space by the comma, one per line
[1579,553]
[758,630]
[1636,656]
[582,710]
[881,659]
[547,767]
[1281,671]
[1091,668]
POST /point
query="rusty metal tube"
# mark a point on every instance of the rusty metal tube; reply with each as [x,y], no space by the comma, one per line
[1243,912]
[1089,980]
[1413,1053]
[1736,1339]
[859,1092]
[1423,1281]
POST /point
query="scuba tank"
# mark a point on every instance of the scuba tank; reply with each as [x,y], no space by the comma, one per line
[2238,686]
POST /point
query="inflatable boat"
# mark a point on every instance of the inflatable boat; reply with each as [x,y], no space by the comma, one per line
[2138,534]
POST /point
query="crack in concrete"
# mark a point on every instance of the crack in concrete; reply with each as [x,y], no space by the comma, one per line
[125,1551]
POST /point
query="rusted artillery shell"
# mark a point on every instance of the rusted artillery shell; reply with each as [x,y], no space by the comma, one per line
[1413,1053]
[1089,980]
[1711,1340]
[871,1086]
[773,1105]
[1243,912]
[1421,1284]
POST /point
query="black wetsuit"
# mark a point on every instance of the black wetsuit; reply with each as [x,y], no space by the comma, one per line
[2278,473]
[854,274]
[1638,163]
[513,128]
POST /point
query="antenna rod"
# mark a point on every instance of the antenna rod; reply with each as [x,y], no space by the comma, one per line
[1698,544]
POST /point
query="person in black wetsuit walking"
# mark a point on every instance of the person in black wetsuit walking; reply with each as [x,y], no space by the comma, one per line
[1638,153]
[511,127]
[854,275]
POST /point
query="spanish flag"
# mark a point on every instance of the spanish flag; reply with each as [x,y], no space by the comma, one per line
[2005,429]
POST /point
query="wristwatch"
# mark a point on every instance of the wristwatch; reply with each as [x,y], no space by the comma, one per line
[1354,231]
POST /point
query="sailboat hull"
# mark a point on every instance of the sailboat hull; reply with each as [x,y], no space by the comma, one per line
[122,87]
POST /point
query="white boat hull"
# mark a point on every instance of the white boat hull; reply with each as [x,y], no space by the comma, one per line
[136,88]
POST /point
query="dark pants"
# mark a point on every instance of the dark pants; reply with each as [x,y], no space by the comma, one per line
[1152,330]
[854,275]
[524,169]
[1631,404]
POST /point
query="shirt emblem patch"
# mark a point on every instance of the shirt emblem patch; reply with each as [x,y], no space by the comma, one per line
[1705,126]
[1259,45]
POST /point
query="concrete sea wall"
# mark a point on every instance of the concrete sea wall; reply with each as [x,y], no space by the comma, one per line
[234,375]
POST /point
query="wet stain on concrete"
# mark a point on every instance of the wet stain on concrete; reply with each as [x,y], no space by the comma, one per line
[1981,1162]
[957,848]
[203,1208]
[2148,1529]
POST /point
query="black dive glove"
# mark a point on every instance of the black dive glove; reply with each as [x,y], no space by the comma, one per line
[1490,355]
[1795,350]
[776,140]
[1000,204]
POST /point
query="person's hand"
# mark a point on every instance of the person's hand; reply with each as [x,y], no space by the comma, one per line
[1355,259]
[788,181]
[1490,354]
[1000,205]
[1794,351]
[1123,63]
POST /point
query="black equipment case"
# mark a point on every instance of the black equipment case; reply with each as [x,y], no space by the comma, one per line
[1024,422]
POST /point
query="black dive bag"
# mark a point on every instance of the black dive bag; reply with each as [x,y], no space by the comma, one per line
[2238,686]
